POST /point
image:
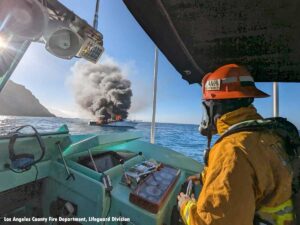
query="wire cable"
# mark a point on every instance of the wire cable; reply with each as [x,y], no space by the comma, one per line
[109,194]
[15,171]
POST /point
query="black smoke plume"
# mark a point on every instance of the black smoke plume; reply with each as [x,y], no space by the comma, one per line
[101,89]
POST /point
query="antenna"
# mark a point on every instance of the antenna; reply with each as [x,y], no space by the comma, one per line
[95,24]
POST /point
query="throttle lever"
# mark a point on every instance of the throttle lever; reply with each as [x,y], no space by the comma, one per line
[189,188]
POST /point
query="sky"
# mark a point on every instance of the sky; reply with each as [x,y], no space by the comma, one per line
[127,45]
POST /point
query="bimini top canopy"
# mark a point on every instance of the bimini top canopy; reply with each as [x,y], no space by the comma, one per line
[197,36]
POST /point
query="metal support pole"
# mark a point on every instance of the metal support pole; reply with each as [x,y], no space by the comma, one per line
[275,99]
[10,62]
[152,137]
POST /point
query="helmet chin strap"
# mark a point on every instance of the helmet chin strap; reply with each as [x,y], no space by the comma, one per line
[207,150]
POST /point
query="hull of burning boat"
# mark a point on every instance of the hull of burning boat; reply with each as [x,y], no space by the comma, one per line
[124,124]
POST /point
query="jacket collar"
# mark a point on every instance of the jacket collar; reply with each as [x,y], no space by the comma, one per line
[236,116]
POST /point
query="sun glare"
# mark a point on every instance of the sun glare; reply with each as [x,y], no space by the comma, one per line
[3,43]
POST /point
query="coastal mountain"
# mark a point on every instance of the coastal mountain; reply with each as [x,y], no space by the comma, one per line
[16,100]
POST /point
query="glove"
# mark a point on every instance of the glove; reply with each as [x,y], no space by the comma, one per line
[183,198]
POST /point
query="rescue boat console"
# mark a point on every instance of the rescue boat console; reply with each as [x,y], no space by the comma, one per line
[127,179]
[149,182]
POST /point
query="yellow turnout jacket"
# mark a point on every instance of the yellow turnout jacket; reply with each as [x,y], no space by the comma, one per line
[246,174]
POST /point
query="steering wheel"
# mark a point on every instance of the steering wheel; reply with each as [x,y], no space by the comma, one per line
[24,161]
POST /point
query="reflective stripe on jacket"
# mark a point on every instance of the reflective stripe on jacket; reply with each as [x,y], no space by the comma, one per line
[278,215]
[246,172]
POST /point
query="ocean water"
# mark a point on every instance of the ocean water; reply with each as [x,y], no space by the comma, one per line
[183,138]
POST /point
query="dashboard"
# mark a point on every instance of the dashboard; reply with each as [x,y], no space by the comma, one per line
[149,182]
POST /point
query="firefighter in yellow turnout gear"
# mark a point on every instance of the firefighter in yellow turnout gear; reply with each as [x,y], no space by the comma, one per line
[247,179]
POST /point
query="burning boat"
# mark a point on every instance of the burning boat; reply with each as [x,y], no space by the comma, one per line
[114,121]
[103,92]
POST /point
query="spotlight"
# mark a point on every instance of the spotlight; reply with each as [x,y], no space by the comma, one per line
[62,42]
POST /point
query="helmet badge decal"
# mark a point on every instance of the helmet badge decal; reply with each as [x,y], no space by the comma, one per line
[213,85]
